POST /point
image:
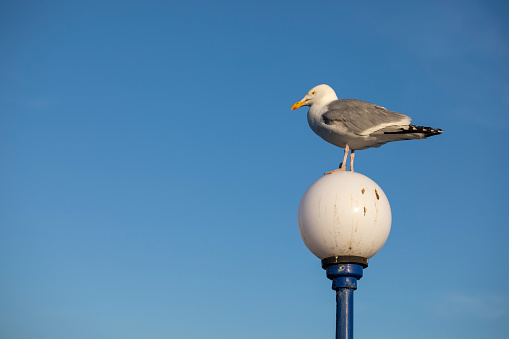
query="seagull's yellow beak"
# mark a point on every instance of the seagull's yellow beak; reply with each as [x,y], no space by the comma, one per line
[299,104]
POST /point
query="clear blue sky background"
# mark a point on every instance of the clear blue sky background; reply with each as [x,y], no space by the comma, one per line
[152,169]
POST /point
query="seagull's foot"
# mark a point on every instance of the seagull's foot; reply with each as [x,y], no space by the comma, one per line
[336,170]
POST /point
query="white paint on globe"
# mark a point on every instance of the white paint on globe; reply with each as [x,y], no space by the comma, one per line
[344,214]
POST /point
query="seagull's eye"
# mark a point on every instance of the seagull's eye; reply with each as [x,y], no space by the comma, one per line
[312,93]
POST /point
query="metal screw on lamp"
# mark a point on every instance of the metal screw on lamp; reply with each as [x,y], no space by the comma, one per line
[344,219]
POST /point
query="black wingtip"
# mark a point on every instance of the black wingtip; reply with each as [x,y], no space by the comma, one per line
[426,131]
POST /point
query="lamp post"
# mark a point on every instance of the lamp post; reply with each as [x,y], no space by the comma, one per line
[344,219]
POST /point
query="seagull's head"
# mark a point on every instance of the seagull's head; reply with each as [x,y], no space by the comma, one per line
[321,94]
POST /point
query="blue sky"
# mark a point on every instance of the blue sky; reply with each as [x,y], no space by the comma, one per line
[152,168]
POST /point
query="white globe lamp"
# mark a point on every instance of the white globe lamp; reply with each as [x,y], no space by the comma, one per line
[344,219]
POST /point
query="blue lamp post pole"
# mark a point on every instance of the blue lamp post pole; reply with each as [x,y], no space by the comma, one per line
[344,273]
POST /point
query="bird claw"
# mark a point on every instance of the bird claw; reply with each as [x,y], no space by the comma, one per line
[336,170]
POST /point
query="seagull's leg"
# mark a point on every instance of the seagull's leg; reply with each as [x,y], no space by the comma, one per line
[352,155]
[343,164]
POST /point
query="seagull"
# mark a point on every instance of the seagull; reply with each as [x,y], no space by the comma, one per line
[356,125]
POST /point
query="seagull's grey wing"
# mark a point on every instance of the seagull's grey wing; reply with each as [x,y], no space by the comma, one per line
[361,117]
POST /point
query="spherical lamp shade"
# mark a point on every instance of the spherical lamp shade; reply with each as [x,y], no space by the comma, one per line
[344,214]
